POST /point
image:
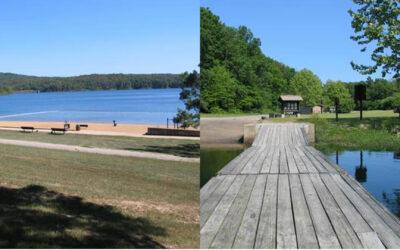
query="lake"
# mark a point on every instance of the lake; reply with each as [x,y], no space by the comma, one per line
[378,172]
[140,106]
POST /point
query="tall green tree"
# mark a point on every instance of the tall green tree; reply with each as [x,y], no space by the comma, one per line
[219,90]
[190,95]
[377,22]
[338,89]
[308,85]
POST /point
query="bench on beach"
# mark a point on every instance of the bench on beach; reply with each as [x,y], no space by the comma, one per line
[27,129]
[57,130]
[79,126]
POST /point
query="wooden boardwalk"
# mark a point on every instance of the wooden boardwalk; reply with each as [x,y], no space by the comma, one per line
[283,193]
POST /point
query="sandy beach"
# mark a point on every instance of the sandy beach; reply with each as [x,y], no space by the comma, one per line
[93,128]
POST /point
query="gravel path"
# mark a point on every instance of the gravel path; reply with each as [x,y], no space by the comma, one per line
[103,151]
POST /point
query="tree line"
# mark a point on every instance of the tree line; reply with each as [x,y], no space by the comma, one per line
[237,77]
[15,82]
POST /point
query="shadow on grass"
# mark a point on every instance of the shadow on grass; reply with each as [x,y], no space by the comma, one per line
[185,150]
[34,217]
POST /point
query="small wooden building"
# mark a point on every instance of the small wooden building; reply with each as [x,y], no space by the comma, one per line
[290,104]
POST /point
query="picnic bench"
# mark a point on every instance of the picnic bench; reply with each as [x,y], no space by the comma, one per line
[27,129]
[79,126]
[58,130]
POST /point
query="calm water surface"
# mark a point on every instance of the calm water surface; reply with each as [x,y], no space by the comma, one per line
[378,172]
[144,106]
[213,159]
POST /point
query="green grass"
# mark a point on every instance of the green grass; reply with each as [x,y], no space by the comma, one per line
[356,114]
[179,147]
[379,130]
[206,115]
[60,199]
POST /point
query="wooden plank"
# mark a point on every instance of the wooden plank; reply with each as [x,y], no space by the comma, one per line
[283,165]
[209,187]
[246,234]
[344,231]
[385,233]
[286,235]
[323,228]
[266,233]
[309,165]
[210,228]
[266,165]
[315,162]
[371,240]
[318,155]
[255,164]
[299,162]
[232,164]
[386,215]
[290,161]
[208,207]
[227,232]
[353,216]
[242,163]
[305,233]
[275,161]
[381,210]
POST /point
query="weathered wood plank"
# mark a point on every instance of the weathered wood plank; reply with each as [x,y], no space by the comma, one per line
[371,240]
[210,228]
[266,233]
[385,233]
[344,231]
[267,163]
[209,187]
[275,161]
[283,164]
[208,207]
[246,235]
[290,161]
[323,228]
[227,232]
[286,234]
[305,233]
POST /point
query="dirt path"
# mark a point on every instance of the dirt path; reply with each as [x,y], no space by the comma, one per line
[103,151]
[224,130]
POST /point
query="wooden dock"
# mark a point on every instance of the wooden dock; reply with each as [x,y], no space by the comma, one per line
[283,193]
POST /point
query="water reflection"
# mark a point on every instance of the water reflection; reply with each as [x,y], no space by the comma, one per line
[361,170]
[378,172]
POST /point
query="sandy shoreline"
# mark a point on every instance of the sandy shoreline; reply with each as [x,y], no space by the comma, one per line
[93,128]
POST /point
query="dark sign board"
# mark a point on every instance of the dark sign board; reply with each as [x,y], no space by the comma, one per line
[360,92]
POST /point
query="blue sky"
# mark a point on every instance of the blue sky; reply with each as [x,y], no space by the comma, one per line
[73,37]
[313,34]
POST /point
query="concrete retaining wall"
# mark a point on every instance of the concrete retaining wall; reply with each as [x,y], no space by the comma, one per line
[173,132]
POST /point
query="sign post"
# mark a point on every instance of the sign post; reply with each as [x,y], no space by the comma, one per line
[360,91]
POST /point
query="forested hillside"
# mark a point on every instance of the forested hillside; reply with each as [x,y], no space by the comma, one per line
[237,77]
[17,82]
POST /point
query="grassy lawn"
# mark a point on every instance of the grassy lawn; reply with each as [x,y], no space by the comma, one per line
[185,148]
[205,115]
[56,199]
[377,131]
[356,114]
